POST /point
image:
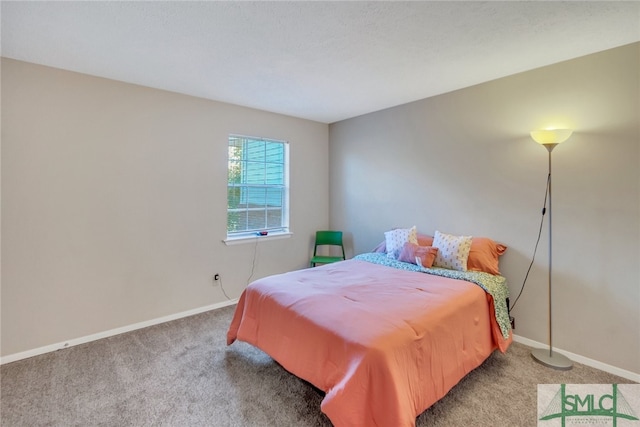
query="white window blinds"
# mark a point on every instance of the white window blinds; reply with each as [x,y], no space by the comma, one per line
[257,186]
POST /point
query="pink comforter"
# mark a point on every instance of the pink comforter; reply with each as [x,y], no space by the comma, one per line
[384,344]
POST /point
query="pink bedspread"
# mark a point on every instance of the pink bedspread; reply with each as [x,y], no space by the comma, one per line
[384,344]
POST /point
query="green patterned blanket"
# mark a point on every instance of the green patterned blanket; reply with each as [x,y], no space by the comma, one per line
[496,286]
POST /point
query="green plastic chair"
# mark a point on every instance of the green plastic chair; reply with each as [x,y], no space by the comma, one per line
[330,238]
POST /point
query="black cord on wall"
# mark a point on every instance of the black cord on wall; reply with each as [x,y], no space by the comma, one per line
[253,267]
[544,211]
[223,291]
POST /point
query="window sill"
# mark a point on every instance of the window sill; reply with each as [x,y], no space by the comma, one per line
[254,238]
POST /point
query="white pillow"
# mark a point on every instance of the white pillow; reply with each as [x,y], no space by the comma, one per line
[453,251]
[395,240]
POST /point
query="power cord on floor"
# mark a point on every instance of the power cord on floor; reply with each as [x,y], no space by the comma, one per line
[544,211]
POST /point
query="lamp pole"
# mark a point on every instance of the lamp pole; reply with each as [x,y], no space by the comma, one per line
[550,148]
[550,359]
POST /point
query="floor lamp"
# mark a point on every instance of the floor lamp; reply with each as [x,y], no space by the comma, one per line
[549,139]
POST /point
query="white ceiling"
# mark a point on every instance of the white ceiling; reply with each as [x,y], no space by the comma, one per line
[324,61]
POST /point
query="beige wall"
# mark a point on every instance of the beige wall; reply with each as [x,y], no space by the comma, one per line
[114,203]
[463,162]
[113,197]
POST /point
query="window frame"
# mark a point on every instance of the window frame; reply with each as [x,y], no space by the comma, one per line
[283,231]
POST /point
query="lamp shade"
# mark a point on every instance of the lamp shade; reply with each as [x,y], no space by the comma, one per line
[551,136]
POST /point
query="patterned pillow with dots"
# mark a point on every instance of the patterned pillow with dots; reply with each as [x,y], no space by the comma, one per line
[395,240]
[453,251]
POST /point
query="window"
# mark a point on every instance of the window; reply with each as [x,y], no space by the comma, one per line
[257,186]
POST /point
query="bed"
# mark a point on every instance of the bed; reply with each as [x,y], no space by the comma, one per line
[384,339]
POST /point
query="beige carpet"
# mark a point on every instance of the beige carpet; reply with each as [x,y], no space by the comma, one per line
[181,373]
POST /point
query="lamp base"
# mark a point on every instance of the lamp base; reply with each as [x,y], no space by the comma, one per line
[551,360]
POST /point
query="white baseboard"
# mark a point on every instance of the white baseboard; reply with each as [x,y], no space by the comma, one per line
[581,359]
[76,341]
